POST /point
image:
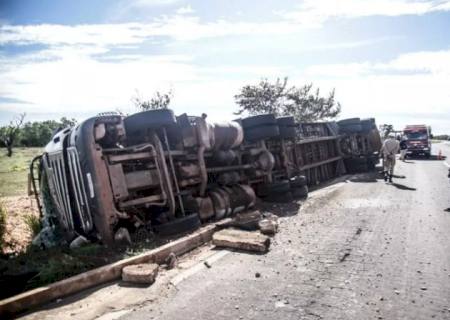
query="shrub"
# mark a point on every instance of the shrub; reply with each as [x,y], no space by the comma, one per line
[33,223]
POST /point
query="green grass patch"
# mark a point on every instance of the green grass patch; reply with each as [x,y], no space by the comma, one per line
[14,170]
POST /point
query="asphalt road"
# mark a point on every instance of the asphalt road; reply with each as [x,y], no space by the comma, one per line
[365,250]
[359,249]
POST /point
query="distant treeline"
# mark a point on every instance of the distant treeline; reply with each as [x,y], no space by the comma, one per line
[441,137]
[38,133]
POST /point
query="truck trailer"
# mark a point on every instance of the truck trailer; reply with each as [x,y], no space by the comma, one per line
[113,178]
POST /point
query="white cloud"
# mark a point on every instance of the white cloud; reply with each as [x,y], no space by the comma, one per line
[77,83]
[151,3]
[185,10]
[410,88]
[316,12]
[69,76]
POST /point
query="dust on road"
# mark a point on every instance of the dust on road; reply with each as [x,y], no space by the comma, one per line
[364,249]
[369,250]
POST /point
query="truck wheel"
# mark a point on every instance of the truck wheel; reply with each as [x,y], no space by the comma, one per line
[180,225]
[349,121]
[261,132]
[259,120]
[351,128]
[286,121]
[151,119]
[265,190]
[280,197]
[368,124]
[301,192]
[298,181]
[287,132]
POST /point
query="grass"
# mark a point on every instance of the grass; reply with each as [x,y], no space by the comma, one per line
[14,170]
[33,223]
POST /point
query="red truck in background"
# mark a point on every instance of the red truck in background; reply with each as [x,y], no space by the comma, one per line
[418,140]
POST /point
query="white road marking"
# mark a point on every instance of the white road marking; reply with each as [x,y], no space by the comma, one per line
[446,164]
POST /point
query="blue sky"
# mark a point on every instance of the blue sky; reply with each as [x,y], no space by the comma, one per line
[389,59]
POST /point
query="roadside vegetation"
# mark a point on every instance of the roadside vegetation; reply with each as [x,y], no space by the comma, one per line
[14,170]
[33,223]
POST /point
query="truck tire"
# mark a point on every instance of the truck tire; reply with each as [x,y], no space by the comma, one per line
[180,225]
[261,132]
[356,165]
[301,192]
[286,121]
[298,181]
[351,128]
[151,119]
[367,124]
[349,121]
[287,132]
[265,190]
[280,197]
[259,120]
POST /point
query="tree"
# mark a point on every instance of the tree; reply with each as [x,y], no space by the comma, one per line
[307,106]
[264,97]
[385,129]
[39,133]
[66,122]
[9,133]
[158,101]
[301,103]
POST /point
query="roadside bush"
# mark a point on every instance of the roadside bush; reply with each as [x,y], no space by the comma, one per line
[2,225]
[33,223]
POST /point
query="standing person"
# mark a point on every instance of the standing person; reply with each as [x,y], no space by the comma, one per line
[389,150]
[448,175]
[403,149]
[448,209]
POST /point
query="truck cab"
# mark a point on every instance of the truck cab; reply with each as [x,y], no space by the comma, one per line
[418,140]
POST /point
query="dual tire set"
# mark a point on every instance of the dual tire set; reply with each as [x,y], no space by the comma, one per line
[284,190]
[356,125]
[267,126]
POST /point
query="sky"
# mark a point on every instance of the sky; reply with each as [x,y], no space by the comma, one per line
[388,59]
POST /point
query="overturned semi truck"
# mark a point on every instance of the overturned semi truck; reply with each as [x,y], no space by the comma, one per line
[112,176]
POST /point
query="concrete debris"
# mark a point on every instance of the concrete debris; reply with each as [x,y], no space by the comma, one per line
[78,242]
[122,236]
[171,261]
[242,240]
[247,220]
[144,273]
[269,227]
[270,216]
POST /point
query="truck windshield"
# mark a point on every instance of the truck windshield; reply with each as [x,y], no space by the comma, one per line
[416,135]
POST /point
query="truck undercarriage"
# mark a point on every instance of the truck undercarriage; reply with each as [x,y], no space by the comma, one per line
[113,176]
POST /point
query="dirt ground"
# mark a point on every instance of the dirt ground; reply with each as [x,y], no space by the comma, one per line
[18,234]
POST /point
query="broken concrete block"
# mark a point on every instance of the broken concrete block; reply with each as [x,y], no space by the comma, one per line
[270,216]
[269,227]
[122,236]
[144,273]
[171,261]
[78,242]
[242,240]
[247,220]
